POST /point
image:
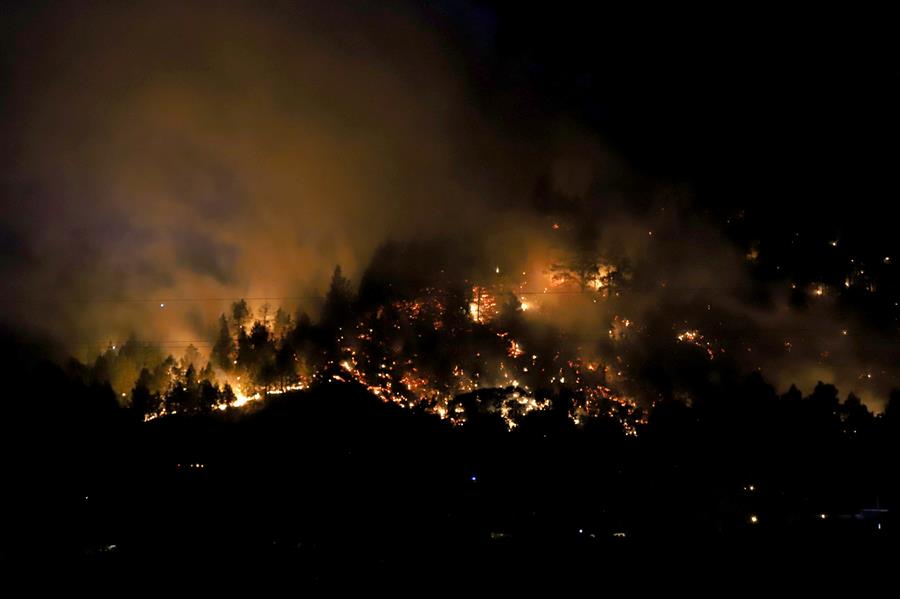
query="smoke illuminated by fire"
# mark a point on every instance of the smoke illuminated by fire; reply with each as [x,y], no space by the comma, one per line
[477,357]
[167,161]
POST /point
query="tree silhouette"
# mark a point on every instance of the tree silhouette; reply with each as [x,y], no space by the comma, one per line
[262,365]
[285,364]
[143,401]
[227,395]
[191,356]
[240,313]
[256,355]
[338,302]
[856,417]
[208,396]
[207,374]
[223,351]
[588,269]
[283,322]
[184,394]
[264,313]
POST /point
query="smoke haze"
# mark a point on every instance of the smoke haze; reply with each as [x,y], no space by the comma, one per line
[165,159]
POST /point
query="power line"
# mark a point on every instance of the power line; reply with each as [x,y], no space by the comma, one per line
[144,343]
[166,300]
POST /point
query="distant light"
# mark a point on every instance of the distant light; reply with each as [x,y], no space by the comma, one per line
[887,259]
[834,243]
[162,305]
[581,531]
[497,270]
[473,478]
[754,519]
[752,488]
[650,233]
[822,516]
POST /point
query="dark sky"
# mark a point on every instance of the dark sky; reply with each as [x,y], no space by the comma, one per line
[789,112]
[166,150]
[776,108]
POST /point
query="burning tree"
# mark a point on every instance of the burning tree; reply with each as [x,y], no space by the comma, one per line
[588,270]
[585,265]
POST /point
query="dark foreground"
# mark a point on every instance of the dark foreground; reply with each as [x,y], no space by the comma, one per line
[333,488]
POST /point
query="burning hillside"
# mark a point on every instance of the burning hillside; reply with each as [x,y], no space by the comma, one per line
[443,343]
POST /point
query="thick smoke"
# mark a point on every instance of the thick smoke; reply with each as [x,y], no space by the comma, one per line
[168,159]
[164,151]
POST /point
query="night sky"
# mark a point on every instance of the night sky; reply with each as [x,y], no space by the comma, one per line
[162,160]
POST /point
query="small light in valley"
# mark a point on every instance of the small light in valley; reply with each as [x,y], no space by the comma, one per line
[162,305]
